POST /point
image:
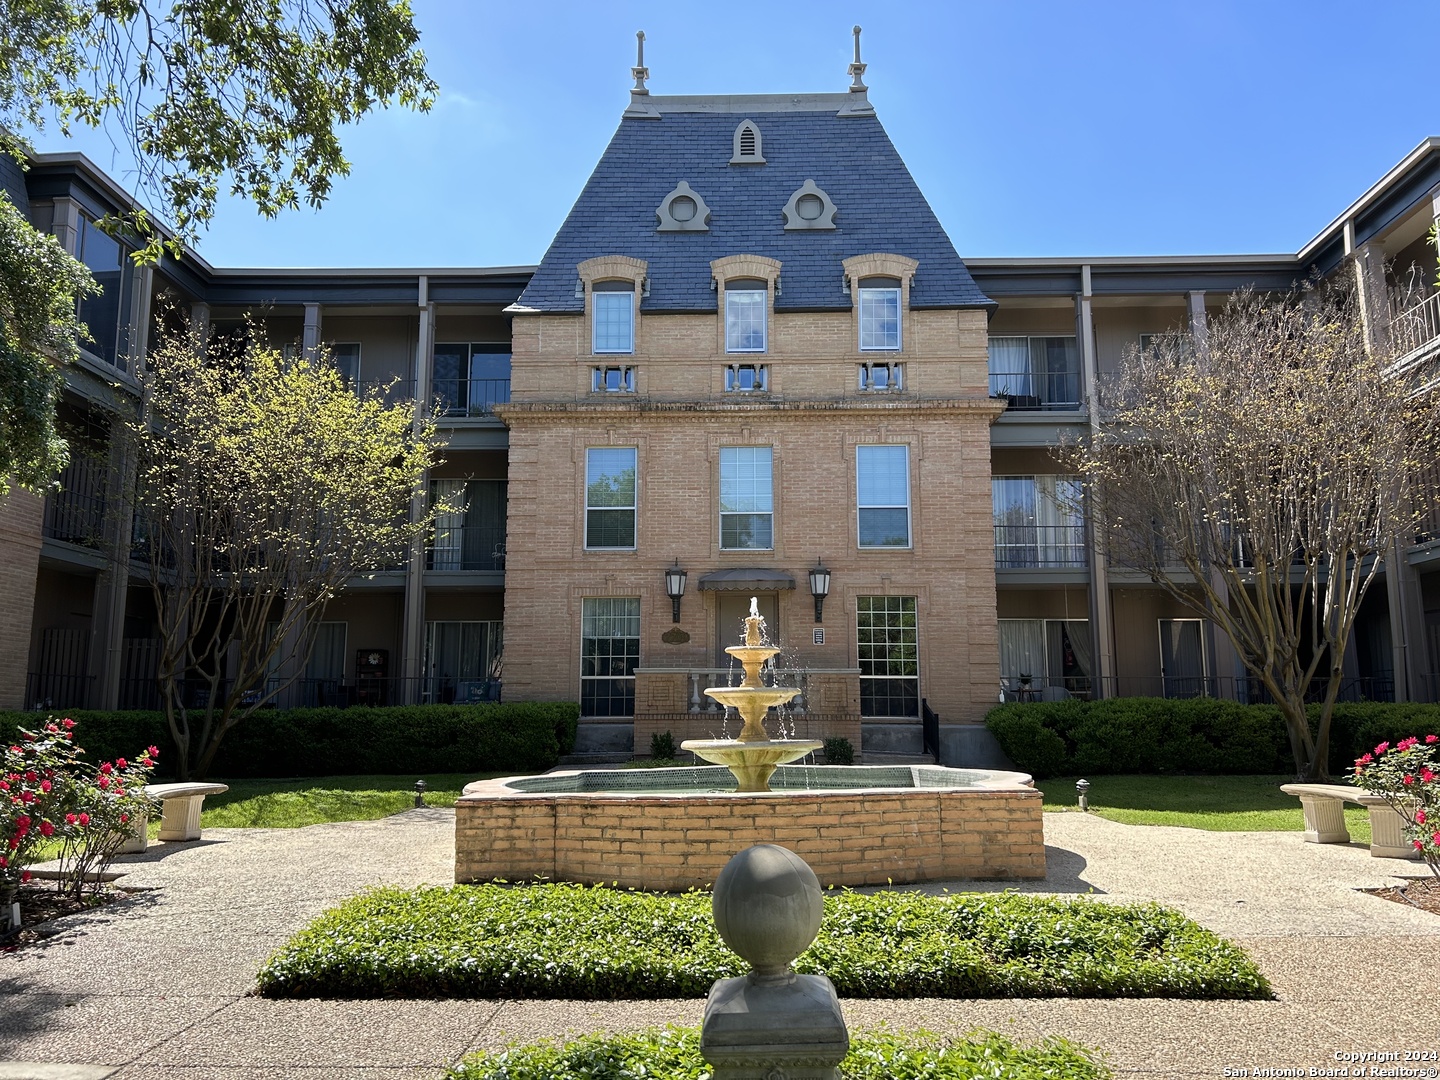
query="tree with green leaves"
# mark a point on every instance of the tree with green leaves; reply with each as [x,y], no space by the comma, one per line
[40,288]
[1260,474]
[263,486]
[248,94]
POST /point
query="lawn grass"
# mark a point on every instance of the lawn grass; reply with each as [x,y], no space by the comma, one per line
[595,943]
[1213,803]
[289,804]
[674,1054]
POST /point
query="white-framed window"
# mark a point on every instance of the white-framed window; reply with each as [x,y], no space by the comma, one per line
[1045,659]
[609,654]
[613,316]
[887,376]
[613,380]
[745,303]
[1035,373]
[1184,663]
[883,493]
[879,314]
[888,651]
[610,491]
[746,378]
[1038,522]
[747,498]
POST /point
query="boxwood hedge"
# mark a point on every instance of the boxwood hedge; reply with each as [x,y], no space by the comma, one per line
[674,1054]
[519,736]
[1193,735]
[577,942]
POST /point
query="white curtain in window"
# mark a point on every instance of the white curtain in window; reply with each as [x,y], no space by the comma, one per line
[449,548]
[1022,650]
[327,659]
[1011,372]
[1013,505]
[1060,533]
[1182,657]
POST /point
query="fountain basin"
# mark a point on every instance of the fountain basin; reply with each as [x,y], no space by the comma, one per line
[674,829]
[752,763]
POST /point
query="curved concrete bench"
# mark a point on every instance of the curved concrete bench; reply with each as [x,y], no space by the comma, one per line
[180,806]
[1324,806]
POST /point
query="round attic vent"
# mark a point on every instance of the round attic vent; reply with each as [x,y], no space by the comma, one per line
[682,208]
[810,207]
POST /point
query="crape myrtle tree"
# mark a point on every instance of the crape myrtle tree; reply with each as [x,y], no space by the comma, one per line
[1259,473]
[263,486]
[197,94]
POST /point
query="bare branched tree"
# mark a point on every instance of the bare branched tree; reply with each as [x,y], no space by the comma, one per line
[263,487]
[1260,474]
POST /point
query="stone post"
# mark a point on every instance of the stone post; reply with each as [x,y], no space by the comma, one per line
[772,1022]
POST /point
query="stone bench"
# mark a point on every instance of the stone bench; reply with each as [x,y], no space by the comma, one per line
[179,813]
[1324,806]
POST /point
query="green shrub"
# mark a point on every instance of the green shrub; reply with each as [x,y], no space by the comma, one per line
[1192,735]
[839,751]
[569,941]
[674,1054]
[662,746]
[407,739]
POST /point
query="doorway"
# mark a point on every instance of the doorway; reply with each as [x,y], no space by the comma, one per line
[732,608]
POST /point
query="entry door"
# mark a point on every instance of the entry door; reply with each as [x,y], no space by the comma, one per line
[733,609]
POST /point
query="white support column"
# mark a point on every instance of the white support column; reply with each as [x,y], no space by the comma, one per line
[1369,260]
[412,660]
[1226,660]
[1102,615]
[313,335]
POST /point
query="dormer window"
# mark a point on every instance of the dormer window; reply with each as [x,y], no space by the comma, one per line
[879,300]
[614,316]
[747,145]
[745,303]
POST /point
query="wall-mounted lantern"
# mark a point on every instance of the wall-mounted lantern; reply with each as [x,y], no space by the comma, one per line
[819,586]
[675,588]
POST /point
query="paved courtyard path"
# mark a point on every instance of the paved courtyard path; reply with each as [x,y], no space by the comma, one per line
[159,986]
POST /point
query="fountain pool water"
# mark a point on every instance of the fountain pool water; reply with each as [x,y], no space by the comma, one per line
[675,829]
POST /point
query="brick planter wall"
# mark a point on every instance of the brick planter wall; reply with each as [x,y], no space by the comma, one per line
[676,842]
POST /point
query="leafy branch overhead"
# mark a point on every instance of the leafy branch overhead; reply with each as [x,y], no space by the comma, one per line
[248,93]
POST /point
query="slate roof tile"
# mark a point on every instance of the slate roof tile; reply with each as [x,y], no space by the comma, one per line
[880,209]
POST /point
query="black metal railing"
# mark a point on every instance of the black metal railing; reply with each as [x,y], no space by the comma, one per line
[75,513]
[48,690]
[470,397]
[930,730]
[1038,391]
[468,547]
[1026,546]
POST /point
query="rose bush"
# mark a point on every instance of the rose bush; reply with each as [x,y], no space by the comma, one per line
[1407,775]
[49,797]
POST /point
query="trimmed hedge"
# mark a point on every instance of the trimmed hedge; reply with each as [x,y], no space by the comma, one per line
[674,1054]
[583,943]
[1191,735]
[519,736]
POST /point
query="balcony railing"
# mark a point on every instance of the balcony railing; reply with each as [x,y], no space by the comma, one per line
[1045,547]
[470,397]
[49,690]
[1037,391]
[1416,327]
[467,547]
[390,391]
[702,678]
[76,512]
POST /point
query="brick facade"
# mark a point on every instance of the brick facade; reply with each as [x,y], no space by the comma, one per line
[20,518]
[812,418]
[673,842]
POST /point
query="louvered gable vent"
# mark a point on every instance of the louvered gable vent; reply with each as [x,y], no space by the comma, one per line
[747,149]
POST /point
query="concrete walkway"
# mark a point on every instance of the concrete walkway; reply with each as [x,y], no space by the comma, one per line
[158,987]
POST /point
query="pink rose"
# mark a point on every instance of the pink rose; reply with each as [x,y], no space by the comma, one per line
[1418,845]
[67,723]
[69,819]
[45,785]
[1408,780]
[121,763]
[46,829]
[1430,739]
[153,751]
[1419,817]
[84,820]
[25,878]
[106,769]
[1427,776]
[1381,748]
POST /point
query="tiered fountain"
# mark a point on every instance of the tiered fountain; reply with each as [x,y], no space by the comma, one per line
[753,755]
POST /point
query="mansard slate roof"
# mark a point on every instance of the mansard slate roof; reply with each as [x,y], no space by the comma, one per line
[880,207]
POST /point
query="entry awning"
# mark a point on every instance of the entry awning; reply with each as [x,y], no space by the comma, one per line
[746,579]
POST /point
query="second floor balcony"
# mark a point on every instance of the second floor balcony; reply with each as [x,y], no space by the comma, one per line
[75,513]
[467,548]
[1040,547]
[1036,374]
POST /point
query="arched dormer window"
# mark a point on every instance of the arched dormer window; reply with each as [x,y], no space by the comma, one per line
[747,149]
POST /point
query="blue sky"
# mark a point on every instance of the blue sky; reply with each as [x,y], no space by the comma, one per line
[1034,128]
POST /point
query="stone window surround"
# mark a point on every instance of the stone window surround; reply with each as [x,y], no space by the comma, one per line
[885,436]
[746,268]
[882,265]
[610,268]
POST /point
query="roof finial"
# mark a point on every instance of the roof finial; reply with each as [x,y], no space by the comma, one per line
[640,71]
[857,69]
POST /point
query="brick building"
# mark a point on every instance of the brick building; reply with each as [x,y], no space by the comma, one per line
[750,353]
